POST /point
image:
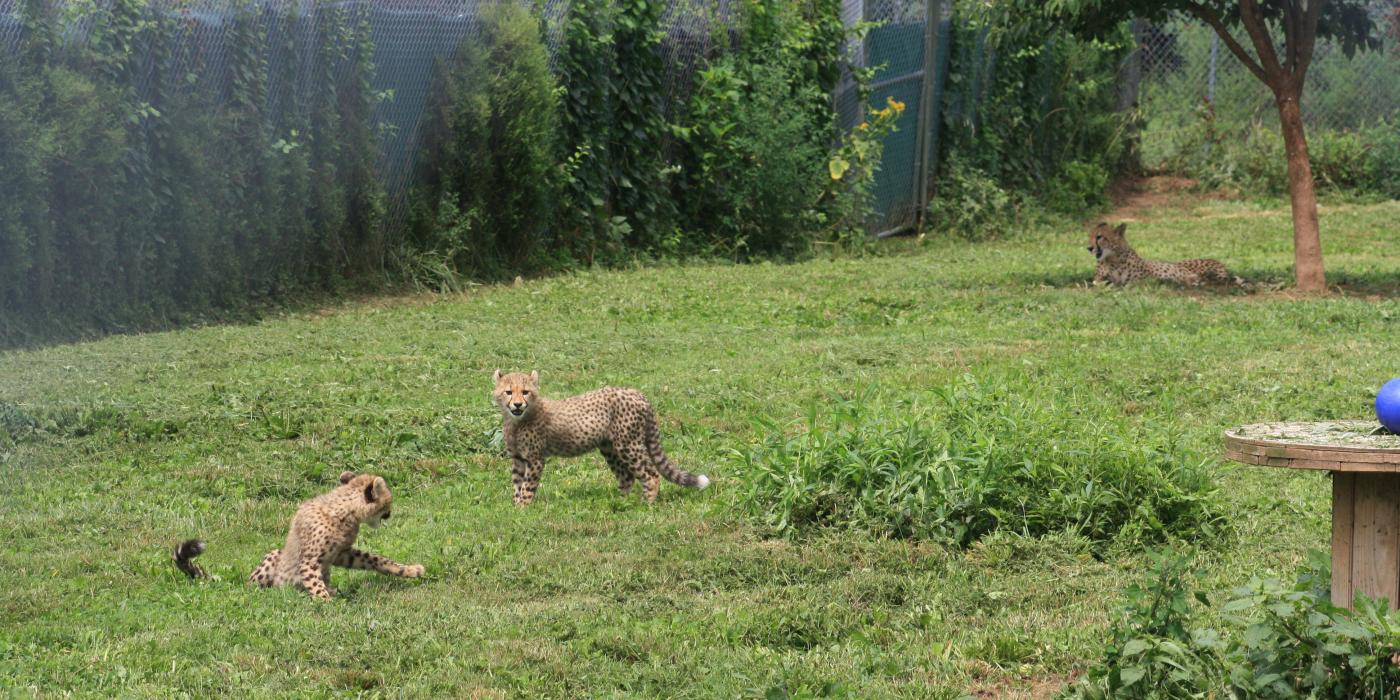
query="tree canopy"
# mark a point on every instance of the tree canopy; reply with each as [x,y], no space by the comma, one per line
[1349,23]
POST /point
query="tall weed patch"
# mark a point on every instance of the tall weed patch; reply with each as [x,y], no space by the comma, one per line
[1364,161]
[971,458]
[1276,640]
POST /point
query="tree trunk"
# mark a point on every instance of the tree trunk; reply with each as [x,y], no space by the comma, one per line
[1307,242]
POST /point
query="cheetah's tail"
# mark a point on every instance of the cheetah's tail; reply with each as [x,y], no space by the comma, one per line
[677,475]
[668,469]
[184,555]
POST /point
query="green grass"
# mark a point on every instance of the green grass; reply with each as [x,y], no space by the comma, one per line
[219,432]
[961,462]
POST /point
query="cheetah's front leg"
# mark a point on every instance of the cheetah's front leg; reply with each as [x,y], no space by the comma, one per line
[526,475]
[358,559]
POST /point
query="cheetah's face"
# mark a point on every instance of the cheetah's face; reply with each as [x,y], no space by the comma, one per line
[1105,240]
[374,496]
[516,392]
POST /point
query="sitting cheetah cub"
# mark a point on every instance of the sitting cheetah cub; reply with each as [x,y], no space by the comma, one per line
[322,535]
[1119,264]
[617,422]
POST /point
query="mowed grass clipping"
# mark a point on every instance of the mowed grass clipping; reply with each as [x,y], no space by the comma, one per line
[115,450]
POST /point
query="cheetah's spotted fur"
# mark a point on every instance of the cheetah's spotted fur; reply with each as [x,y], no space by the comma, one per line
[1119,264]
[619,423]
[322,535]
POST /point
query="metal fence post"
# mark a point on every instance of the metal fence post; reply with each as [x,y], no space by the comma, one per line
[1130,72]
[1129,85]
[1210,78]
[933,17]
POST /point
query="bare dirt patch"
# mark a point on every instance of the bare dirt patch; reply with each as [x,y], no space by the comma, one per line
[1134,199]
[1036,688]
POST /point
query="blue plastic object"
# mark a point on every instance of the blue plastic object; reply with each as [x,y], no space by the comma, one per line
[1388,405]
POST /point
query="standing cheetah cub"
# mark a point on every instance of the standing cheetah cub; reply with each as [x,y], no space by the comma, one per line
[322,535]
[617,422]
[1119,264]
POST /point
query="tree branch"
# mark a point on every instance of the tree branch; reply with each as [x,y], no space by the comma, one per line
[1258,32]
[1309,41]
[1207,15]
[1292,16]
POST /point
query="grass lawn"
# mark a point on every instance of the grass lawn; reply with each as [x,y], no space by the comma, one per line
[219,432]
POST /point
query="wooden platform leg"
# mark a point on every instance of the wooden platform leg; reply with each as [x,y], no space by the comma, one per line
[1375,535]
[1343,493]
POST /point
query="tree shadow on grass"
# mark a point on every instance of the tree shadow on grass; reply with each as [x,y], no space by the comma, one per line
[26,331]
[1376,283]
[1084,279]
[1372,284]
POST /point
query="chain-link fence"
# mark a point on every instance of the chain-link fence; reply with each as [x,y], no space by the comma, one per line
[905,49]
[1189,81]
[1194,91]
[409,36]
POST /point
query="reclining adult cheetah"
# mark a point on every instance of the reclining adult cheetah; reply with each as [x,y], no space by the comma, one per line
[619,423]
[322,535]
[1119,264]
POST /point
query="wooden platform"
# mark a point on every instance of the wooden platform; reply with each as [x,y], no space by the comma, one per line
[1365,466]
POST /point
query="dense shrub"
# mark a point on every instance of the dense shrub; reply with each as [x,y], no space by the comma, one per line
[1278,640]
[754,163]
[763,168]
[488,182]
[1362,161]
[756,121]
[744,159]
[587,64]
[1383,157]
[1255,163]
[1025,117]
[1078,185]
[616,186]
[971,458]
[970,203]
[639,174]
[23,204]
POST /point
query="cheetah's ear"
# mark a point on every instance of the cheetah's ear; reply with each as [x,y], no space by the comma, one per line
[376,490]
[345,477]
[535,376]
[496,377]
[1122,229]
